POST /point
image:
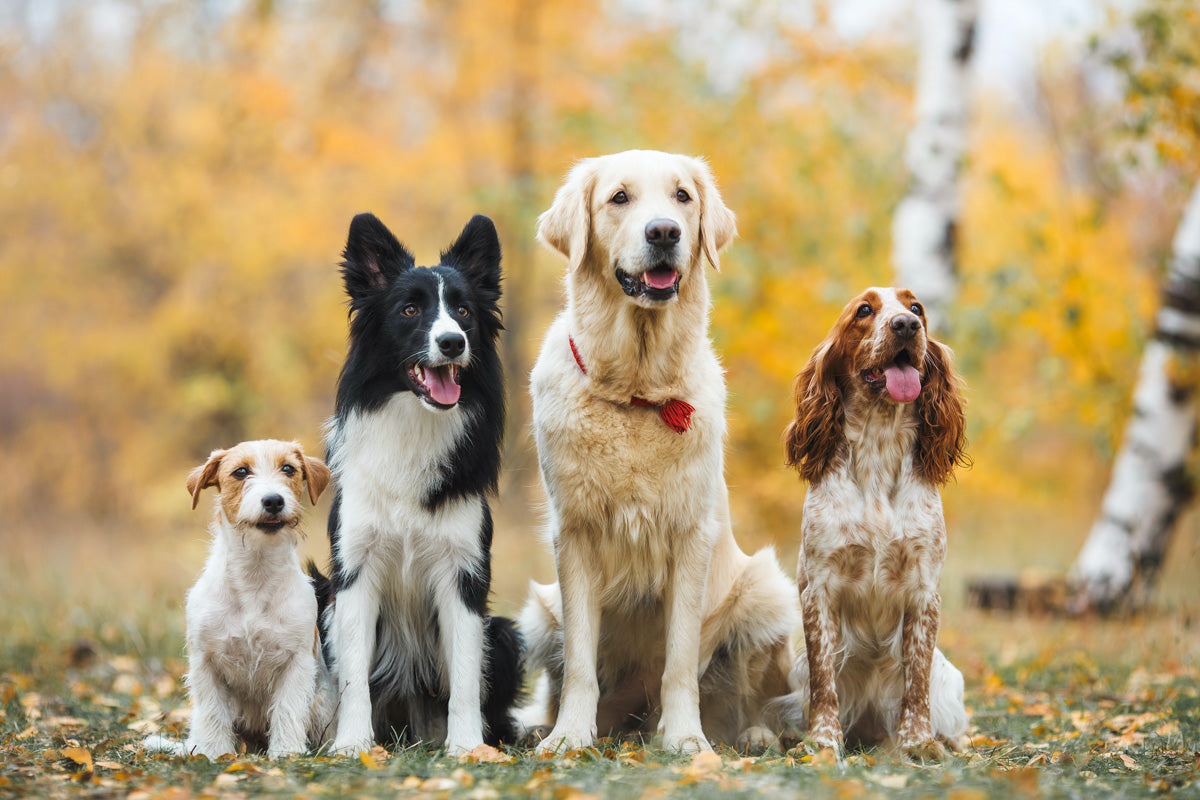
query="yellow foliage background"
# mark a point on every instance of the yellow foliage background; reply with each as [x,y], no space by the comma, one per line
[172,213]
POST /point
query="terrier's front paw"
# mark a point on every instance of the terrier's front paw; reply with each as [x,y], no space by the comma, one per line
[353,745]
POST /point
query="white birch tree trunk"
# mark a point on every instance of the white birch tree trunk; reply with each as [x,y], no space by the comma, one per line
[924,229]
[1150,484]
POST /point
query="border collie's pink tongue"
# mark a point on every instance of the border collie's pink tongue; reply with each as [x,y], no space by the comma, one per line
[662,278]
[903,382]
[441,385]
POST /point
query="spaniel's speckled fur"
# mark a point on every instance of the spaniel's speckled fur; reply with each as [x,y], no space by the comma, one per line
[874,539]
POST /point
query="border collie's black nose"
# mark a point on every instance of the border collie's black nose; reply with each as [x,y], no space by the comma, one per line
[273,503]
[452,344]
[905,326]
[663,232]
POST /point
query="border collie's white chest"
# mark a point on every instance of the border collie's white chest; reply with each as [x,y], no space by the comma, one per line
[387,462]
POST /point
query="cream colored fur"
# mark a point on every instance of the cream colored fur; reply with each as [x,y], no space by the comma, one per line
[659,620]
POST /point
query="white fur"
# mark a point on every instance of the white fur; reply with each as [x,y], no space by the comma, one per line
[408,561]
[253,658]
[872,548]
[446,323]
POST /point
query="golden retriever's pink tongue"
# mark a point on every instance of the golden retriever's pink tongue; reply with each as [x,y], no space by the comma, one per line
[903,382]
[442,388]
[661,278]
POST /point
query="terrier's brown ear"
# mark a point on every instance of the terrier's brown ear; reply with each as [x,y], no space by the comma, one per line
[204,476]
[316,474]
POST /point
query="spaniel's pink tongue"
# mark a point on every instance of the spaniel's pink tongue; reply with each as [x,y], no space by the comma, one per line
[661,278]
[903,382]
[442,387]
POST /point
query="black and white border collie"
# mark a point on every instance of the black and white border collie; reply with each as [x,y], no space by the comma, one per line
[415,447]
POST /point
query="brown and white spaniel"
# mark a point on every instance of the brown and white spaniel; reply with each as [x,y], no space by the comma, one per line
[878,428]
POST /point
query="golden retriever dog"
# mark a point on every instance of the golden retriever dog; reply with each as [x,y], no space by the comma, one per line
[658,620]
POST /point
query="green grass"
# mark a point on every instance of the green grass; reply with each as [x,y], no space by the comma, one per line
[91,657]
[1090,710]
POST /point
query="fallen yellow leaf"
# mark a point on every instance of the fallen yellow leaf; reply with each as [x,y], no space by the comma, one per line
[486,754]
[79,755]
[706,761]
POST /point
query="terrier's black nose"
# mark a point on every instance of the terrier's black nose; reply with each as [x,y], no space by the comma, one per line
[273,503]
[663,232]
[451,344]
[905,326]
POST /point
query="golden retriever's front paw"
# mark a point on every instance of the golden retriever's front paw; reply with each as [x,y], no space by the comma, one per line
[560,740]
[686,742]
[756,739]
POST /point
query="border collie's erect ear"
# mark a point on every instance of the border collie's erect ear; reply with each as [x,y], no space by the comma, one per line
[476,253]
[374,257]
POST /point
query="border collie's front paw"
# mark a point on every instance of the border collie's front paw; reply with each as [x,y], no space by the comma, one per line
[461,747]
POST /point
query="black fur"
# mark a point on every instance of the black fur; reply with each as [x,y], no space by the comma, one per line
[382,279]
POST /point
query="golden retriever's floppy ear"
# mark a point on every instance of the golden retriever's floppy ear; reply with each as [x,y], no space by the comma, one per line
[941,431]
[814,437]
[316,475]
[204,476]
[718,226]
[567,224]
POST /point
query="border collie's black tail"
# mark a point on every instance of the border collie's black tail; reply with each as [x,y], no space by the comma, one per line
[503,677]
[324,588]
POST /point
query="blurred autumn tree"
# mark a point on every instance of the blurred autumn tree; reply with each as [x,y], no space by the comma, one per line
[1152,477]
[174,206]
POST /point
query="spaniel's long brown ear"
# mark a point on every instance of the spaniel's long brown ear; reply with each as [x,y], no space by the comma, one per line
[316,475]
[567,224]
[204,476]
[718,225]
[941,432]
[815,435]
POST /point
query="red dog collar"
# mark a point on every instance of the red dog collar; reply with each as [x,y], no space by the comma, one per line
[676,414]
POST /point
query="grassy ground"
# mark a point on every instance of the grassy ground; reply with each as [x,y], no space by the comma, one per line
[91,660]
[1060,709]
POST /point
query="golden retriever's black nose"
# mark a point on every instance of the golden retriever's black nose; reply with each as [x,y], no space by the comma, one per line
[905,326]
[663,232]
[451,344]
[273,503]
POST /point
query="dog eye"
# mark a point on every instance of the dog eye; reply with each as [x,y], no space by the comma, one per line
[864,311]
[620,198]
[288,469]
[916,309]
[463,311]
[410,310]
[682,196]
[241,473]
